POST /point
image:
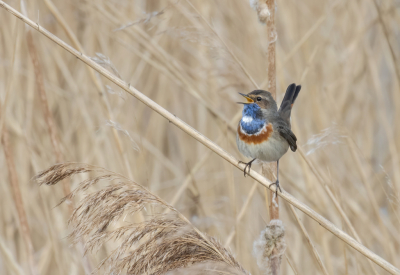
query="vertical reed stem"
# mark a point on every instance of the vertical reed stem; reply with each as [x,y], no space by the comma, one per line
[45,105]
[267,168]
[16,192]
[271,56]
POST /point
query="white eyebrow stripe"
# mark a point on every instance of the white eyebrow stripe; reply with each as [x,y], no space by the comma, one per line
[247,119]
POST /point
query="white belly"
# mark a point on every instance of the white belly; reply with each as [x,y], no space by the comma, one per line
[271,150]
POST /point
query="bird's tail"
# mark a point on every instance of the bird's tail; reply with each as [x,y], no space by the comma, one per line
[288,100]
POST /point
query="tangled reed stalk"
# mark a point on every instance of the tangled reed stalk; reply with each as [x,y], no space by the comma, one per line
[162,243]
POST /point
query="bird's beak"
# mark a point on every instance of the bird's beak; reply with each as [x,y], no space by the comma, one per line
[249,100]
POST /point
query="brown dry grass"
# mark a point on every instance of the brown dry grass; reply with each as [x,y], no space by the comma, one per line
[159,244]
[338,51]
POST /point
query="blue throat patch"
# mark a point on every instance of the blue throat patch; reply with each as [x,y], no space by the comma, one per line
[252,121]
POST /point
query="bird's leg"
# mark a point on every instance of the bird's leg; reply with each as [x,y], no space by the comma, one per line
[248,164]
[277,179]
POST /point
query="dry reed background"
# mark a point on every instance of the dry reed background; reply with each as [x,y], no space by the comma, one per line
[343,53]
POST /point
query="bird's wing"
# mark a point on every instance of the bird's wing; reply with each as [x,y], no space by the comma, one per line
[291,94]
[287,134]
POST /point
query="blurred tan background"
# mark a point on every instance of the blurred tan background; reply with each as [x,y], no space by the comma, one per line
[193,61]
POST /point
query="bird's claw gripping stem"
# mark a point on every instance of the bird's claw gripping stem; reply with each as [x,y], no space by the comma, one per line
[276,183]
[248,166]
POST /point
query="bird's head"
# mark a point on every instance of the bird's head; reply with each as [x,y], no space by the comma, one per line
[262,100]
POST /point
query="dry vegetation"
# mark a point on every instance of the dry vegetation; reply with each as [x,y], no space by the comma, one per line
[193,60]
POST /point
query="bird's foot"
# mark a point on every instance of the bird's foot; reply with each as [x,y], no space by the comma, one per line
[248,167]
[277,187]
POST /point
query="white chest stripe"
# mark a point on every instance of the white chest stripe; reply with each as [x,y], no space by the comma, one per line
[247,119]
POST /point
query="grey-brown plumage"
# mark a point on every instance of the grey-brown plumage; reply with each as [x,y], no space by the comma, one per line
[280,119]
[264,132]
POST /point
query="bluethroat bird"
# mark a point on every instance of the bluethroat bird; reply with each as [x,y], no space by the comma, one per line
[264,131]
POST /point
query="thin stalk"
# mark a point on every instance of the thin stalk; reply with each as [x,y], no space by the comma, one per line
[9,260]
[100,88]
[55,142]
[310,243]
[241,214]
[19,205]
[12,172]
[266,168]
[245,71]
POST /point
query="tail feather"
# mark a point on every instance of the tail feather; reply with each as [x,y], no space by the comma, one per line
[291,94]
[298,88]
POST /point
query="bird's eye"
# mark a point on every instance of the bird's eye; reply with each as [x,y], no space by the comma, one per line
[259,98]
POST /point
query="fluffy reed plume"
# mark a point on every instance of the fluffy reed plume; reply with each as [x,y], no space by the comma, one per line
[205,268]
[163,243]
[271,244]
[328,136]
[262,10]
[105,62]
[125,132]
